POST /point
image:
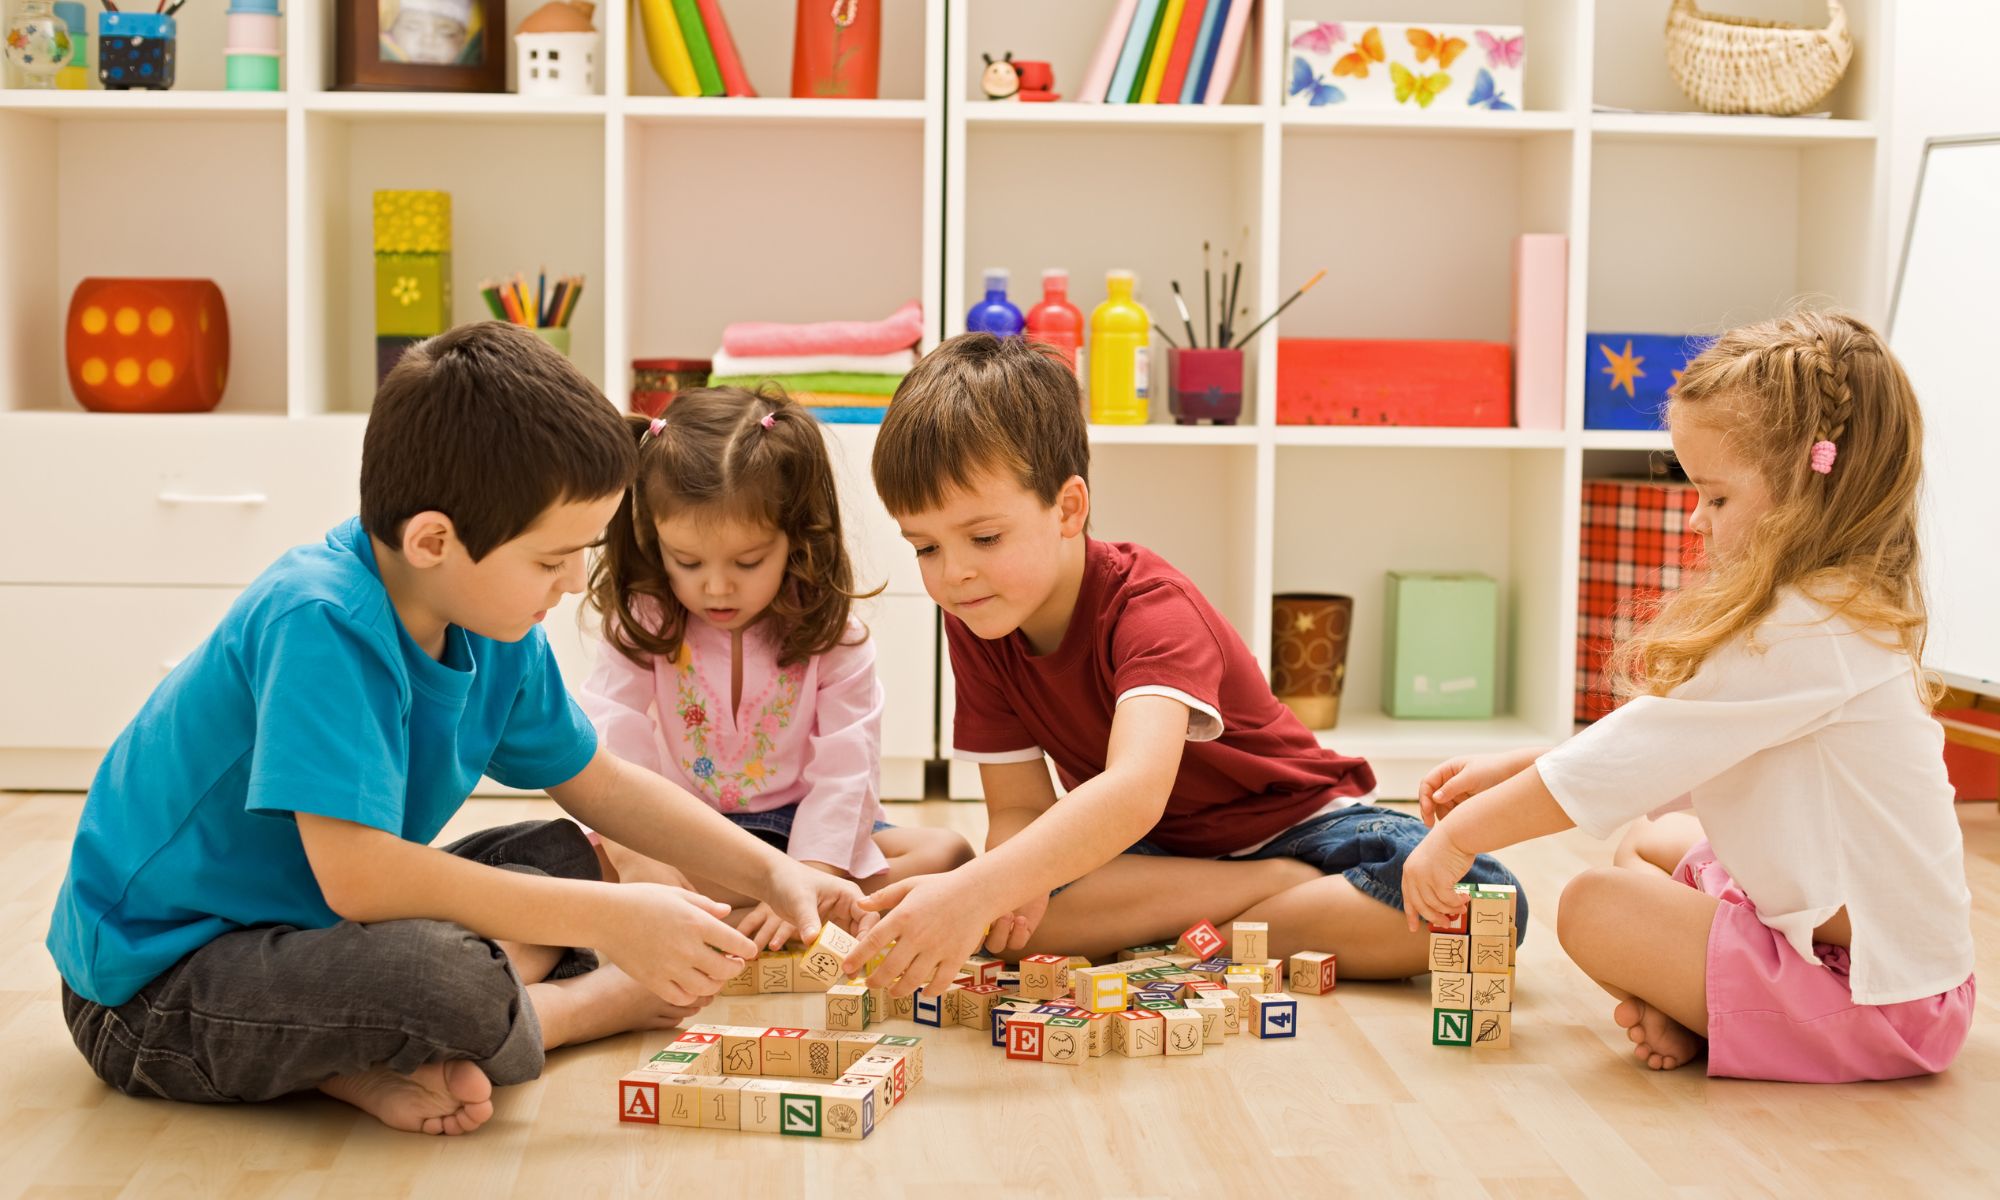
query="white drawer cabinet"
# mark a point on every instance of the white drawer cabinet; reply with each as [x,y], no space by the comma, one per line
[168,500]
[79,661]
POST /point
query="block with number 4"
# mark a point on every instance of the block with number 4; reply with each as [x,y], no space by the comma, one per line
[1275,1015]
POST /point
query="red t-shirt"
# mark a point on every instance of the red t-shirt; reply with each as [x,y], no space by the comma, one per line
[1250,769]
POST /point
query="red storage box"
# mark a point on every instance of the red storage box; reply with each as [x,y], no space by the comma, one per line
[1338,381]
[1637,549]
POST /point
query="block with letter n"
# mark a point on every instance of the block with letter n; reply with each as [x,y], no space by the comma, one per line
[798,1116]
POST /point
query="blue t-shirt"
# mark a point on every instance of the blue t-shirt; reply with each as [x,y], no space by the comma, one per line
[309,697]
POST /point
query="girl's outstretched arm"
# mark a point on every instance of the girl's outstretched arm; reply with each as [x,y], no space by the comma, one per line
[1514,811]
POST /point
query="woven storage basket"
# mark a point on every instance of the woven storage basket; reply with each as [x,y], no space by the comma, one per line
[1737,65]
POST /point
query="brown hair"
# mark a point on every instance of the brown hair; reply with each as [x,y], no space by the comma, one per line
[489,425]
[979,403]
[1847,538]
[714,452]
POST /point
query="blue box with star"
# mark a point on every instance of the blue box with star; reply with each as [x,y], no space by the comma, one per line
[1626,376]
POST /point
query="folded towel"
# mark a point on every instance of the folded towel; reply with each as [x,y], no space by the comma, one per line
[836,399]
[867,385]
[851,416]
[897,362]
[898,331]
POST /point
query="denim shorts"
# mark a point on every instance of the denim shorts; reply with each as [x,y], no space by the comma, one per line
[775,826]
[1366,845]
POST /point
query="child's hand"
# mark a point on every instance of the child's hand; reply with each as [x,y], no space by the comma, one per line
[802,897]
[1429,876]
[1012,931]
[765,927]
[1457,780]
[933,924]
[673,941]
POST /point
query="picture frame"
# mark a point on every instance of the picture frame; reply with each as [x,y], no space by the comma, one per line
[420,46]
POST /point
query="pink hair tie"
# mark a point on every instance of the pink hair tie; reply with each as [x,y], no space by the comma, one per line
[653,430]
[769,420]
[1823,453]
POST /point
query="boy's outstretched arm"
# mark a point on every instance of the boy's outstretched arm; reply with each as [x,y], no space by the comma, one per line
[640,809]
[936,921]
[671,940]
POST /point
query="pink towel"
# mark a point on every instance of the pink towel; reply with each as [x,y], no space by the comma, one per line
[898,331]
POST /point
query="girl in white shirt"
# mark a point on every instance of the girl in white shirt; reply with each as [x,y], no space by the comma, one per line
[1814,923]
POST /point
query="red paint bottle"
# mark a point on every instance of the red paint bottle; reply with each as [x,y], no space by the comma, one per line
[1055,320]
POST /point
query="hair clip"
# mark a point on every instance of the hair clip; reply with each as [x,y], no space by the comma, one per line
[653,430]
[770,419]
[1823,453]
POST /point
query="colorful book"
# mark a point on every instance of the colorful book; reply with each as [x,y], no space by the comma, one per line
[1127,72]
[1156,67]
[727,60]
[1229,49]
[1097,80]
[667,48]
[688,12]
[1203,61]
[1177,58]
[1146,54]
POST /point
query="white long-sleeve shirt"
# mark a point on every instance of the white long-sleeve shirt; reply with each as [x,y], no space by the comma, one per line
[1819,777]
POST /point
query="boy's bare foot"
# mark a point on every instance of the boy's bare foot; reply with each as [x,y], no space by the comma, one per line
[446,1098]
[1658,1040]
[600,1004]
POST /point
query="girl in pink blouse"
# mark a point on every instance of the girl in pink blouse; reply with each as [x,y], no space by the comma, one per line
[733,665]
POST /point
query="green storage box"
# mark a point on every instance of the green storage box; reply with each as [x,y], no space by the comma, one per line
[412,294]
[1441,646]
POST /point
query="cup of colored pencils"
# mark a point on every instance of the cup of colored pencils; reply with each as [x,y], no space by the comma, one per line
[543,308]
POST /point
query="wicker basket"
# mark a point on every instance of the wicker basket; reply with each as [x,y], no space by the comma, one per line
[1737,65]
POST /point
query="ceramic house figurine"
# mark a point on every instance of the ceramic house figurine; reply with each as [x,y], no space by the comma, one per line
[556,50]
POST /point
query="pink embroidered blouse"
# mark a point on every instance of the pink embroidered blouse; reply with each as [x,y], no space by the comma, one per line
[808,735]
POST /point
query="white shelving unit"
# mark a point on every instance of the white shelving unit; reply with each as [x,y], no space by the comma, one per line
[677,209]
[1678,221]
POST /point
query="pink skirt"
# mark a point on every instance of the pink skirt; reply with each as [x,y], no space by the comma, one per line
[1772,1015]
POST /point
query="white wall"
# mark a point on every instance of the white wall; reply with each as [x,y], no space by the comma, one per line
[1934,94]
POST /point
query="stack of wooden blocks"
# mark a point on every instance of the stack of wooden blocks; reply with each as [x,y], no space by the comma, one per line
[798,1082]
[1472,970]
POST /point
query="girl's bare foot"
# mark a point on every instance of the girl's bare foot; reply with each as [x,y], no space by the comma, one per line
[446,1098]
[600,1004]
[1658,1040]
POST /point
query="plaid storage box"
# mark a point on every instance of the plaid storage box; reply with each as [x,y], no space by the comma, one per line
[1637,548]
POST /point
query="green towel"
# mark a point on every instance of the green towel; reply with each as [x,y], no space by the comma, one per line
[836,381]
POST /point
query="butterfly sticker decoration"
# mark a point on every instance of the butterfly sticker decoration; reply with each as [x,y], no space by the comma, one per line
[1321,38]
[1421,88]
[1442,47]
[1366,48]
[1500,52]
[1305,82]
[1486,95]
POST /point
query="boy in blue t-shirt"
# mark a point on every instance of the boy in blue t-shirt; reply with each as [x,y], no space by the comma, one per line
[252,906]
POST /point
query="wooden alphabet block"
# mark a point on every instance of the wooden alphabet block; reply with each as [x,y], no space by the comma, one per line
[902,1008]
[774,971]
[1492,912]
[1492,992]
[699,1059]
[639,1098]
[1451,1027]
[928,1010]
[1451,990]
[1066,1041]
[1099,1027]
[1101,990]
[847,1008]
[1450,953]
[1492,1030]
[1249,941]
[1181,962]
[1024,1036]
[890,1065]
[1274,1016]
[821,960]
[912,1049]
[1244,983]
[998,1019]
[1143,1034]
[1183,1032]
[742,1052]
[1312,973]
[1490,953]
[1201,940]
[819,1051]
[799,1113]
[1130,953]
[878,1085]
[757,1105]
[849,1047]
[1211,969]
[1044,976]
[983,970]
[1232,1011]
[744,982]
[720,1101]
[975,1005]
[1210,1012]
[783,1053]
[680,1101]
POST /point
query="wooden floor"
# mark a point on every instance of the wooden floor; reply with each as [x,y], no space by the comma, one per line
[1361,1104]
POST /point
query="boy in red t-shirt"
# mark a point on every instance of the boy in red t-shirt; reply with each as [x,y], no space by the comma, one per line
[1192,794]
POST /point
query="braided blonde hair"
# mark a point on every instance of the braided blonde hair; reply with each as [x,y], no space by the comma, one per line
[1847,536]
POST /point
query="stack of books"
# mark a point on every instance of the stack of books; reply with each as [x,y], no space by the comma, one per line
[1168,52]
